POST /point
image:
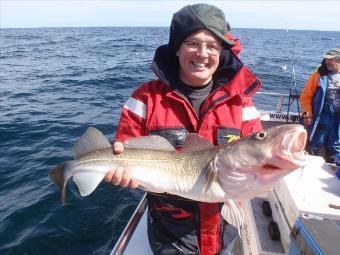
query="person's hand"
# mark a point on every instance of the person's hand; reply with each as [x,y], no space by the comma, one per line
[120,176]
[307,119]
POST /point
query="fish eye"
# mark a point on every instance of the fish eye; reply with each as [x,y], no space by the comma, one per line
[261,135]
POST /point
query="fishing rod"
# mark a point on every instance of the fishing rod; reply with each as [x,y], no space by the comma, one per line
[293,93]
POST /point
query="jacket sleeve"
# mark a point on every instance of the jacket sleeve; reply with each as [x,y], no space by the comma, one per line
[251,122]
[306,96]
[132,121]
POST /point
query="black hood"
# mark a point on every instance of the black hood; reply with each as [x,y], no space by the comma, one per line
[323,70]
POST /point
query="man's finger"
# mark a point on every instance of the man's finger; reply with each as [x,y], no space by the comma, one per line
[118,147]
[108,176]
[133,184]
[117,177]
[125,179]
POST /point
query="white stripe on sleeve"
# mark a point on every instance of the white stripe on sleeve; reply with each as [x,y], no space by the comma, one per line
[250,113]
[135,106]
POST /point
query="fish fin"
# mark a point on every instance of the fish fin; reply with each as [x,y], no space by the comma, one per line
[57,176]
[211,174]
[233,213]
[194,142]
[91,140]
[152,142]
[87,182]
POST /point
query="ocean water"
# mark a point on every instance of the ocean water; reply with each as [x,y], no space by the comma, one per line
[56,82]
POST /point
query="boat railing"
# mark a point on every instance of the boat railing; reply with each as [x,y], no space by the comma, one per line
[284,112]
[130,228]
[276,94]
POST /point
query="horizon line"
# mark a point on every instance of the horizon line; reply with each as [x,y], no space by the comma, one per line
[146,26]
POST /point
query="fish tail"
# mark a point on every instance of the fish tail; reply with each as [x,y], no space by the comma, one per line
[57,176]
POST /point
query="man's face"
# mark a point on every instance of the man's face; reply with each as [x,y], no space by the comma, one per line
[333,64]
[199,57]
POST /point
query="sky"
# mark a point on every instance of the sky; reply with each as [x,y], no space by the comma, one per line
[268,14]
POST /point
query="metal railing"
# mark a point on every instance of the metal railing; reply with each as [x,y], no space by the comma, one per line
[130,228]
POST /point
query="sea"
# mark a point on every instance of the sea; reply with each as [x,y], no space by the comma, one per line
[57,82]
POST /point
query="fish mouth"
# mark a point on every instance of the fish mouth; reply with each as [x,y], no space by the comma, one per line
[290,153]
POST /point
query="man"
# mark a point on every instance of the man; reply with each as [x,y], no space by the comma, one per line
[320,103]
[202,88]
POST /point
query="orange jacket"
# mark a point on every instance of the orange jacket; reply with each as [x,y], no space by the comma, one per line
[306,96]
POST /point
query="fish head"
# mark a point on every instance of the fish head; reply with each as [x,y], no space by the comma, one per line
[262,158]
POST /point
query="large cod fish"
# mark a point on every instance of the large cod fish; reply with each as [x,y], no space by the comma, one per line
[200,171]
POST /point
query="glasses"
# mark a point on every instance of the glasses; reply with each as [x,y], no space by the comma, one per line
[211,48]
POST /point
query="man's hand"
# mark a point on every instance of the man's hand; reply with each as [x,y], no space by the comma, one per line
[307,118]
[120,176]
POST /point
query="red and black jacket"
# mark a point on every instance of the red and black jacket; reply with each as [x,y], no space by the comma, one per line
[157,107]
